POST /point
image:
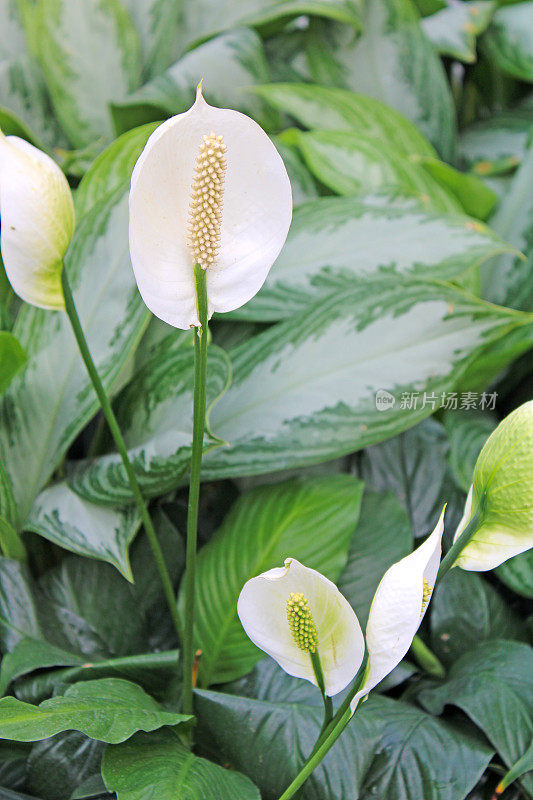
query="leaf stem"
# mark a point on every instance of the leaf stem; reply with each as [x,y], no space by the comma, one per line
[200,381]
[451,556]
[426,658]
[166,582]
[319,675]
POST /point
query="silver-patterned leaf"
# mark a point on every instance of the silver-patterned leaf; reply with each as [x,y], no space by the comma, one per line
[156,22]
[454,29]
[509,40]
[498,144]
[337,239]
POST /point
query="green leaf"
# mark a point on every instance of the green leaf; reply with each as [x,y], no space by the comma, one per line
[350,163]
[454,29]
[28,654]
[405,72]
[389,750]
[156,22]
[13,42]
[12,359]
[52,399]
[13,763]
[312,521]
[109,710]
[493,685]
[508,279]
[112,168]
[157,431]
[89,54]
[202,19]
[509,40]
[517,574]
[498,144]
[66,519]
[229,65]
[383,536]
[59,767]
[324,108]
[467,433]
[475,197]
[465,611]
[160,765]
[302,182]
[392,235]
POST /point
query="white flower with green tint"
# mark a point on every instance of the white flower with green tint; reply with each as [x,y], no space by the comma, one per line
[500,500]
[209,188]
[294,612]
[37,218]
[398,608]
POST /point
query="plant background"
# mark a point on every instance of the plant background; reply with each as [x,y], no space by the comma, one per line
[403,136]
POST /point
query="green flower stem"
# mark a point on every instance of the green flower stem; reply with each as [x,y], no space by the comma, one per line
[200,381]
[426,658]
[319,675]
[109,414]
[455,550]
[316,757]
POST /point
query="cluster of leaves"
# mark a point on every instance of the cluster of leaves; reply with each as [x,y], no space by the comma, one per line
[390,280]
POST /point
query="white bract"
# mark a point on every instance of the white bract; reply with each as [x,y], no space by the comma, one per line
[292,610]
[37,221]
[501,495]
[208,188]
[398,608]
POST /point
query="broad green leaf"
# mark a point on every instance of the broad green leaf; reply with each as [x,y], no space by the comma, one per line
[508,279]
[517,574]
[229,65]
[157,431]
[413,466]
[109,710]
[25,108]
[66,519]
[427,7]
[498,144]
[383,536]
[467,433]
[111,168]
[325,108]
[282,412]
[302,182]
[350,163]
[389,750]
[405,71]
[509,40]
[465,611]
[312,521]
[89,54]
[12,359]
[30,652]
[391,234]
[475,197]
[201,19]
[453,30]
[58,768]
[493,685]
[156,22]
[160,765]
[52,399]
[13,763]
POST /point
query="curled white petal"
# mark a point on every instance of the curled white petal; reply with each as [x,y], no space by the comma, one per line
[262,609]
[256,213]
[398,609]
[37,221]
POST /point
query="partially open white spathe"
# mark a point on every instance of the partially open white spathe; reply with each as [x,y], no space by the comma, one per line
[255,205]
[37,219]
[398,608]
[501,495]
[262,610]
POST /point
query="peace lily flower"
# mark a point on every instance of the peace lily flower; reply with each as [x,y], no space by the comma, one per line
[37,221]
[292,612]
[398,608]
[500,500]
[209,188]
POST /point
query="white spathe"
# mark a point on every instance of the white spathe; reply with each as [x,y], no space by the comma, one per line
[501,496]
[37,221]
[256,213]
[397,609]
[262,610]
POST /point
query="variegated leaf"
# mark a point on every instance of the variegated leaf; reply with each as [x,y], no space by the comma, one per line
[509,40]
[454,29]
[156,22]
[333,240]
[52,399]
[498,144]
